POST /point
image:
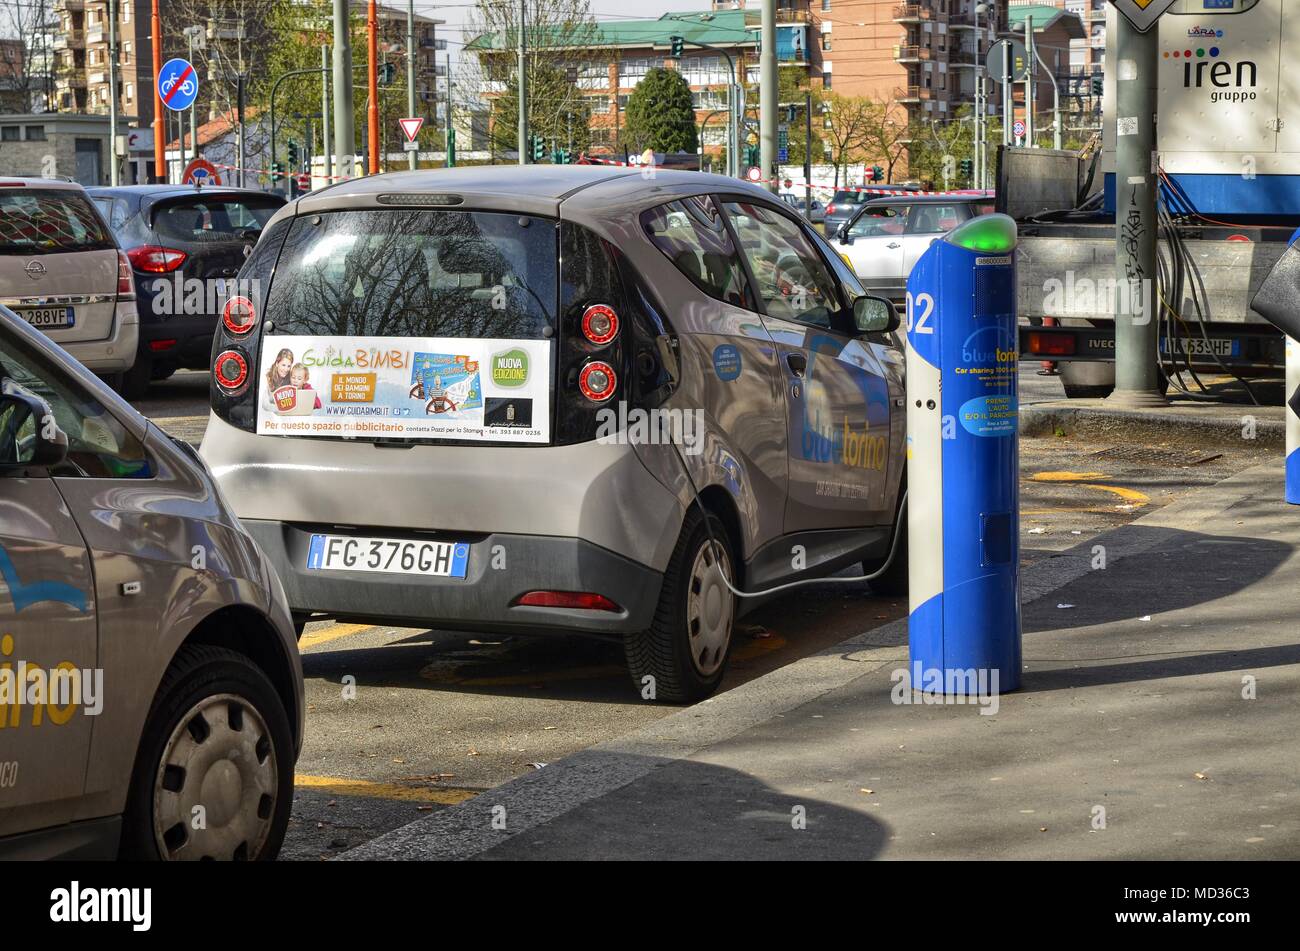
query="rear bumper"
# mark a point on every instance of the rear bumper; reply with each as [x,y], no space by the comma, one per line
[501,568]
[116,353]
[179,341]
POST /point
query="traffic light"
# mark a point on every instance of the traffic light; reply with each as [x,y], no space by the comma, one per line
[451,147]
[1098,85]
[277,171]
[752,155]
[678,44]
[387,73]
[293,154]
[539,148]
[967,167]
[560,157]
[877,173]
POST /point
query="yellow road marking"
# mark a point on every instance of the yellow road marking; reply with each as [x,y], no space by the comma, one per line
[338,786]
[1132,496]
[331,633]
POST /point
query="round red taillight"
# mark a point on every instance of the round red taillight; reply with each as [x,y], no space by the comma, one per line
[231,369]
[239,315]
[599,324]
[597,381]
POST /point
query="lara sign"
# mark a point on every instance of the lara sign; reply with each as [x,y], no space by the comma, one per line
[510,368]
[1143,13]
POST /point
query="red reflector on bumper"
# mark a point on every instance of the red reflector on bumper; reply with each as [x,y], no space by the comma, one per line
[582,600]
[1052,345]
[157,345]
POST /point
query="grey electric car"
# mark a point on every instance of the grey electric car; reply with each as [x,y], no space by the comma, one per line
[557,399]
[151,694]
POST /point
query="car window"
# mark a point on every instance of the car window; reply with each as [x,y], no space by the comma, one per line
[794,283]
[99,446]
[880,220]
[692,235]
[114,211]
[934,218]
[984,208]
[212,219]
[49,221]
[404,273]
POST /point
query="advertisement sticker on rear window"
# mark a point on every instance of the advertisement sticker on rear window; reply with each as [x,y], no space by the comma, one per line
[405,388]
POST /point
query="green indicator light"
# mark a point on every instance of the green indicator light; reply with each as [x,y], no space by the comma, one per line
[995,234]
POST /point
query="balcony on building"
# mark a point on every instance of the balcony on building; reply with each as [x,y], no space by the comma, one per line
[918,13]
[912,54]
[69,6]
[910,94]
[69,40]
[95,34]
[793,13]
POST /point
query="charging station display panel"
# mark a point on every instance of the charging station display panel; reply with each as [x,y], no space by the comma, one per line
[963,455]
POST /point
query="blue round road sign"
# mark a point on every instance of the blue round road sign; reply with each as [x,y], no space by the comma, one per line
[178,84]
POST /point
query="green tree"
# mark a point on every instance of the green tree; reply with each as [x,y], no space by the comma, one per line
[557,111]
[660,114]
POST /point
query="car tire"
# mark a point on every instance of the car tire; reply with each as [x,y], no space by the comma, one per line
[211,695]
[686,647]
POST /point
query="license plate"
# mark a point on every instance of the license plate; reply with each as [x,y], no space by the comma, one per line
[48,318]
[1199,347]
[391,555]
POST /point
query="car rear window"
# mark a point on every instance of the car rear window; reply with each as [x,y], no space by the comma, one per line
[213,219]
[49,221]
[849,197]
[403,273]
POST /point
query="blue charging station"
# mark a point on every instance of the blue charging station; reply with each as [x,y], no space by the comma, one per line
[963,457]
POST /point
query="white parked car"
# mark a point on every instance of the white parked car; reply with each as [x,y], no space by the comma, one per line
[62,271]
[885,237]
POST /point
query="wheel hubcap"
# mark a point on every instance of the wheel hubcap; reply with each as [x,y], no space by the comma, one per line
[709,608]
[217,783]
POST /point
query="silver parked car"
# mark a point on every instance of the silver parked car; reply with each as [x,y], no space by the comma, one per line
[557,399]
[62,271]
[151,694]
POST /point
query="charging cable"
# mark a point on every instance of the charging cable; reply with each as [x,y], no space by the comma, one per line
[899,528]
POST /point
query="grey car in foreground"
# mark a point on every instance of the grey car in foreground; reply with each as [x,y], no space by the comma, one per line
[151,693]
[557,399]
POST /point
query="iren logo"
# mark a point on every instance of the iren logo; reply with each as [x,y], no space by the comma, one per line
[1202,68]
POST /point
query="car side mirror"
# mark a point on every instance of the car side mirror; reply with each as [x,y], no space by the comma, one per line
[45,445]
[844,236]
[872,315]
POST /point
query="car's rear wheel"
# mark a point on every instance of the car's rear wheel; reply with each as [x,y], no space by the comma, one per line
[684,651]
[213,777]
[133,384]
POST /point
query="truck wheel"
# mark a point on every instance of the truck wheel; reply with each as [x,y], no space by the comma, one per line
[213,776]
[685,649]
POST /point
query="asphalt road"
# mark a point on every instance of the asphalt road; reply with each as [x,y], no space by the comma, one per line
[403,721]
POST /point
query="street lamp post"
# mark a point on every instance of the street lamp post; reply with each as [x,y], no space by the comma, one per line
[733,134]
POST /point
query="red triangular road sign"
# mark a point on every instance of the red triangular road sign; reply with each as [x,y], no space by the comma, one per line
[411,127]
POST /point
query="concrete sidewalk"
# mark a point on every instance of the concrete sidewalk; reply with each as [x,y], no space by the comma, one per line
[1134,710]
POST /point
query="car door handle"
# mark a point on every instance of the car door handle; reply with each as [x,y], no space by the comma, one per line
[893,244]
[797,363]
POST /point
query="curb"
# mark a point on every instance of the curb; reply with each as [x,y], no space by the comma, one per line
[1146,426]
[489,819]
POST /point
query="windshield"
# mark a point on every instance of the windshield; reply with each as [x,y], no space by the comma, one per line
[416,274]
[49,221]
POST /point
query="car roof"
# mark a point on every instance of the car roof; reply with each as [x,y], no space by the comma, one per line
[167,191]
[588,190]
[15,181]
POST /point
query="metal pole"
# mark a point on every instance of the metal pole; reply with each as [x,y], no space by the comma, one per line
[240,83]
[194,140]
[372,104]
[114,173]
[345,137]
[159,133]
[1029,81]
[410,71]
[450,161]
[1008,111]
[1056,96]
[807,155]
[979,99]
[768,95]
[1137,378]
[523,86]
[327,165]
